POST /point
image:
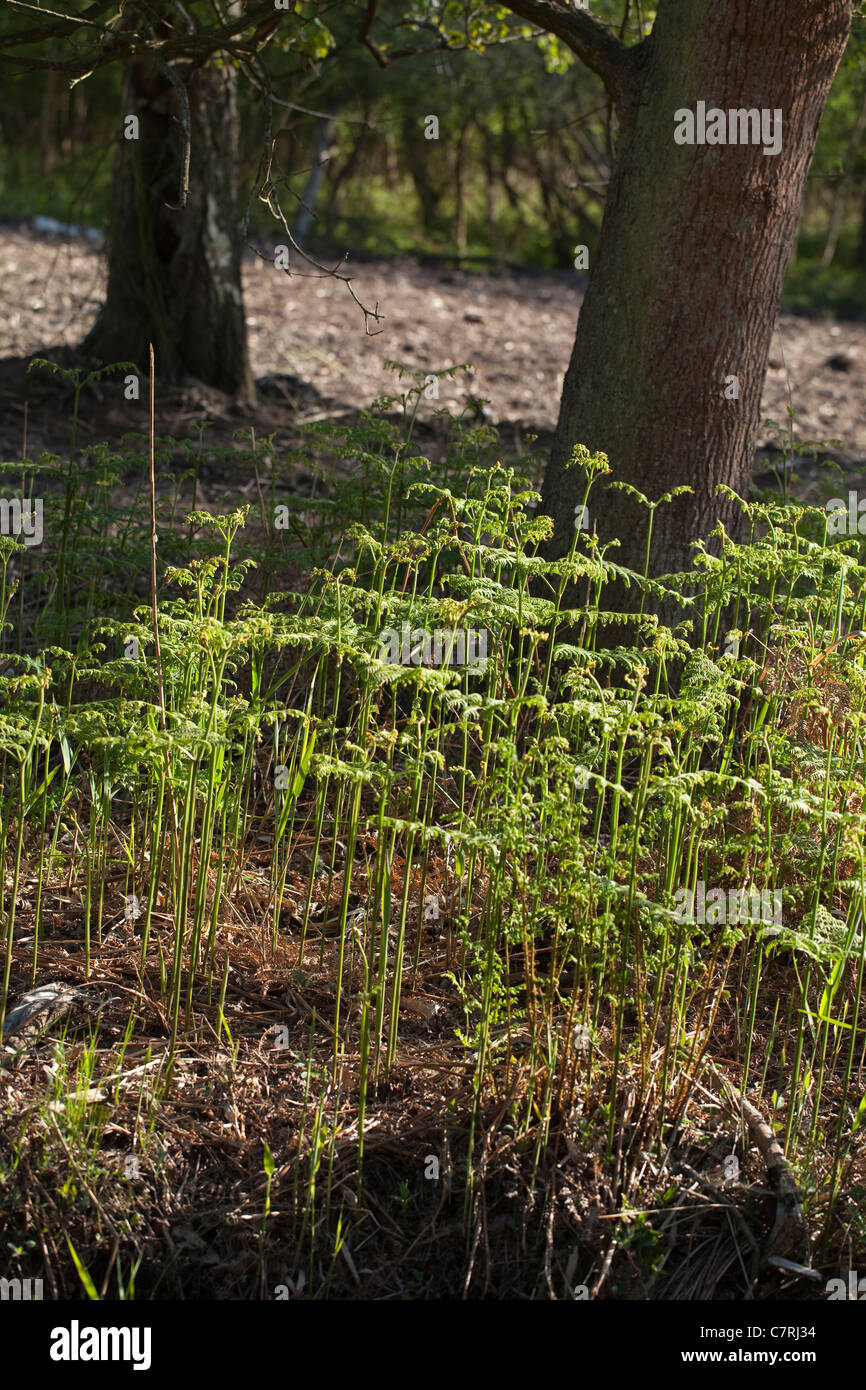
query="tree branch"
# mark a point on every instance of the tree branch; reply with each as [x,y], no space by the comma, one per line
[385,59]
[364,34]
[63,26]
[595,44]
[191,42]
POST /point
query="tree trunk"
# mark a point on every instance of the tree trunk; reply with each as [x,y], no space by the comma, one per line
[48,141]
[685,287]
[838,208]
[840,195]
[346,172]
[861,240]
[307,205]
[489,185]
[460,238]
[426,178]
[174,273]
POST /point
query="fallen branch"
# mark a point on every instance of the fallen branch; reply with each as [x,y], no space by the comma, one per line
[789,1236]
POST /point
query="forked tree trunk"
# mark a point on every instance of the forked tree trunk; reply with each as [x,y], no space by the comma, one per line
[174,273]
[687,279]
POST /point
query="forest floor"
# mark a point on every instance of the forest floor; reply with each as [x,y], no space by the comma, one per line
[196,1205]
[309,339]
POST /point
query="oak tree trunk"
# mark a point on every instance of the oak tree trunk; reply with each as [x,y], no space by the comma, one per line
[685,287]
[174,272]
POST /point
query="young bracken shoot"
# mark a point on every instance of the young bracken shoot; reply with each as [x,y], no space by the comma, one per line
[350,918]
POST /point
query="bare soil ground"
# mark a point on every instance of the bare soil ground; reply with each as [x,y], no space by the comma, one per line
[515,328]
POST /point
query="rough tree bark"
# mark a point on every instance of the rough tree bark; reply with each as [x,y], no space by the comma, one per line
[695,240]
[174,272]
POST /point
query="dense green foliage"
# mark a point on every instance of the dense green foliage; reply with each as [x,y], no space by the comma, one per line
[508,840]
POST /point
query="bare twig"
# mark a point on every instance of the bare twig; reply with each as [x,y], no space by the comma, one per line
[268,196]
